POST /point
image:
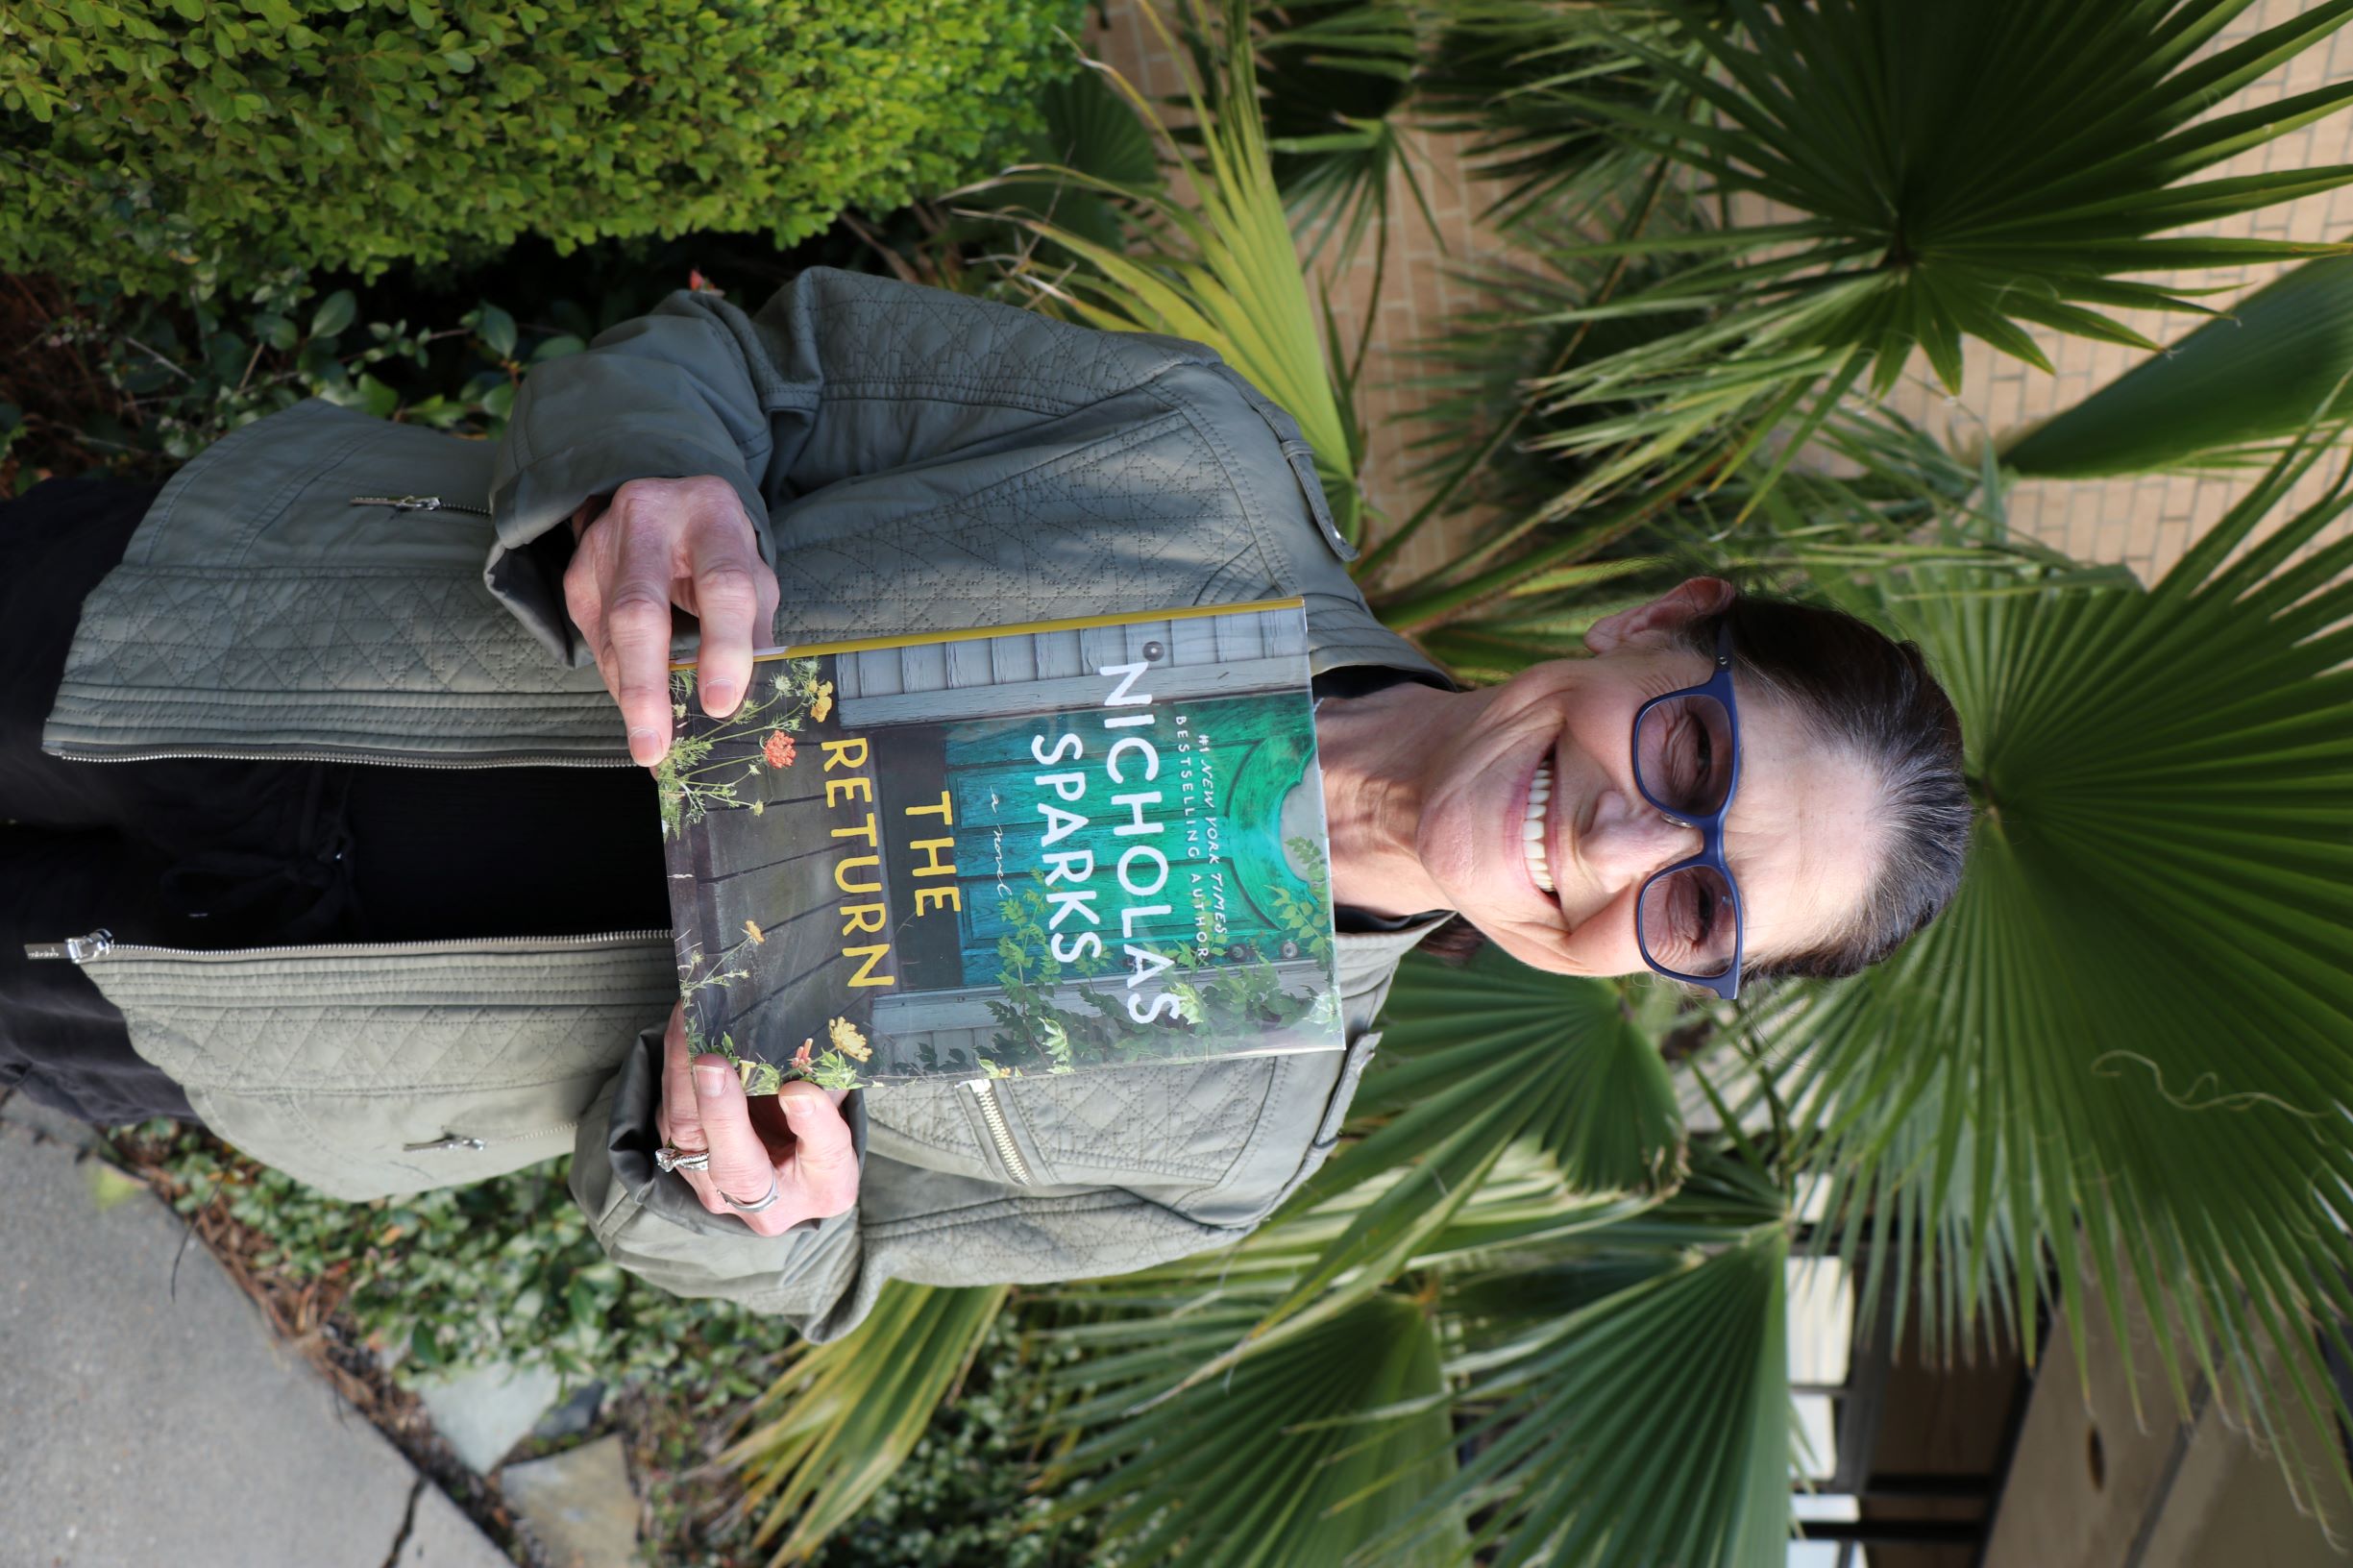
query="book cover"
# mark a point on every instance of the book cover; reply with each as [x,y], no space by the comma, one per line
[1053,847]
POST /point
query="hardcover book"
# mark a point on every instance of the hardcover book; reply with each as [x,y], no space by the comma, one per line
[1052,847]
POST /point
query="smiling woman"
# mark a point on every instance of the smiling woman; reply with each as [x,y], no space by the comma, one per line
[406,885]
[1730,788]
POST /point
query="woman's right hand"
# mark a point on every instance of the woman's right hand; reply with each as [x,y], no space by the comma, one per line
[796,1139]
[657,544]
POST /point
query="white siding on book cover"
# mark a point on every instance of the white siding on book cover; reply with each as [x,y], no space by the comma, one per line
[1058,654]
[1100,646]
[1200,656]
[1013,658]
[922,669]
[969,664]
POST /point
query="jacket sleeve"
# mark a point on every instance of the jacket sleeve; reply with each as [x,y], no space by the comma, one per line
[836,376]
[651,1224]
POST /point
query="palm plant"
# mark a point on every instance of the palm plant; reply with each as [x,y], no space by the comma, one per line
[1473,1334]
[1224,271]
[844,1414]
[1954,170]
[2133,1031]
[1884,177]
[1334,73]
[1520,1329]
[1502,72]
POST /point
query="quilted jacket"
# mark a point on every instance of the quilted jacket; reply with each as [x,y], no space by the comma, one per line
[322,585]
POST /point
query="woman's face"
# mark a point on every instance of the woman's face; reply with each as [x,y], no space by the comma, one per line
[1799,838]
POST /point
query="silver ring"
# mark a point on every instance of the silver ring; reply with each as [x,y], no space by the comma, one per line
[769,1202]
[668,1159]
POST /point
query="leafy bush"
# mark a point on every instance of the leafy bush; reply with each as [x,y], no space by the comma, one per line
[183,393]
[162,142]
[503,1270]
[137,385]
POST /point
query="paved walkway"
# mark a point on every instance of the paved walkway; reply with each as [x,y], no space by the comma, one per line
[145,1423]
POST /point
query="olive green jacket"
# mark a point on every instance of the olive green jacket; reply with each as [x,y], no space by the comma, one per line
[322,585]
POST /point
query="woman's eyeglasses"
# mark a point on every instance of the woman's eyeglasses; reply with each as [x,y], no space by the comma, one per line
[1687,764]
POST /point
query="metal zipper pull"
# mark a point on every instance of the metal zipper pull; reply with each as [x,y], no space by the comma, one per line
[453,1140]
[419,504]
[74,949]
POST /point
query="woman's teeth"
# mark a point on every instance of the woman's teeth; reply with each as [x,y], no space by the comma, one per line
[1531,831]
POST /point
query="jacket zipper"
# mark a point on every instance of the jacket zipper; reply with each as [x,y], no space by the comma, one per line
[1000,1132]
[496,759]
[476,1146]
[101,943]
[419,504]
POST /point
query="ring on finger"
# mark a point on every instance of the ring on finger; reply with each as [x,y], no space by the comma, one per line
[669,1158]
[768,1202]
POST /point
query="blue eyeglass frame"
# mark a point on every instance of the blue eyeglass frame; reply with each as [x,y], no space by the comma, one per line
[1711,827]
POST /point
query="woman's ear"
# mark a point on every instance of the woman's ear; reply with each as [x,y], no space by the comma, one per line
[1655,623]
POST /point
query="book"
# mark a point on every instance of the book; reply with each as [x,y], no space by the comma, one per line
[1052,847]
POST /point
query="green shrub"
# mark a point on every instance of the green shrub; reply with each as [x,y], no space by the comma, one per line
[152,382]
[164,142]
[501,1271]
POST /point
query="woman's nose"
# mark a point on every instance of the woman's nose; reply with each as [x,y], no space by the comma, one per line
[1629,838]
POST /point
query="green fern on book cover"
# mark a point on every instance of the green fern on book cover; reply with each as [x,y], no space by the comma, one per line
[1024,849]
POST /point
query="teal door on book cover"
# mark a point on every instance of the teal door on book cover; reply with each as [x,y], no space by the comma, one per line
[1224,767]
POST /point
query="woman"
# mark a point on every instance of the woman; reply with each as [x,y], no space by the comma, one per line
[317,820]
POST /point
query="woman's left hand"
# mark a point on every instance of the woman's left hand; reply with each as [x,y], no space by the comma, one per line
[794,1143]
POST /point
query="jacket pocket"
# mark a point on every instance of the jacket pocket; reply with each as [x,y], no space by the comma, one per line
[1220,1143]
[372,1070]
[281,492]
[1178,1128]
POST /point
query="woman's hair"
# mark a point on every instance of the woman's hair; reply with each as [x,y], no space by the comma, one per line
[1858,690]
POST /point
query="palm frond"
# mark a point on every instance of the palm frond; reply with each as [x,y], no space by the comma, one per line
[1336,74]
[1481,1058]
[1568,1327]
[2255,376]
[1498,73]
[1879,500]
[2133,1030]
[1919,172]
[1291,1461]
[1223,271]
[1593,1442]
[844,1414]
[1522,1204]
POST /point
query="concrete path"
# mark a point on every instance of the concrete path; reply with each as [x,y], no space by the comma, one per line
[141,1425]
